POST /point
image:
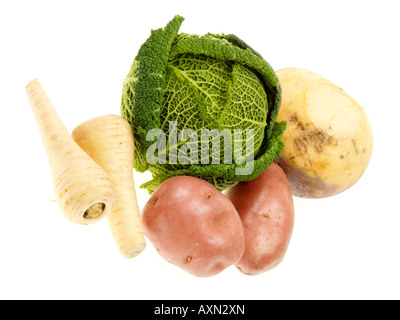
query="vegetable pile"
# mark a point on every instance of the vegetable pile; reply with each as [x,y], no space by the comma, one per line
[228,142]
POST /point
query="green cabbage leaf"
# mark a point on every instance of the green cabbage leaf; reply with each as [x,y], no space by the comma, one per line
[199,84]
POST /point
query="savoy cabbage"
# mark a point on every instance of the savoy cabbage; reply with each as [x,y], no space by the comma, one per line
[214,82]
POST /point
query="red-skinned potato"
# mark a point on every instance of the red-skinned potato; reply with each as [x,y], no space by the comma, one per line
[266,208]
[194,226]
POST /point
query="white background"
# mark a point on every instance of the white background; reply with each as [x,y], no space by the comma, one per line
[343,247]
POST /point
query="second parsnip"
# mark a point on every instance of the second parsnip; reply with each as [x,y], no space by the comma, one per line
[108,140]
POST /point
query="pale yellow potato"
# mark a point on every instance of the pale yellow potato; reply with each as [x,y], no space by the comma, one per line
[328,140]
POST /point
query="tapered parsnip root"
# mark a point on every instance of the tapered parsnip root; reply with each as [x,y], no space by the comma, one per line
[109,141]
[82,189]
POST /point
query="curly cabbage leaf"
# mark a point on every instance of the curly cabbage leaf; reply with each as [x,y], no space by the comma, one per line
[201,84]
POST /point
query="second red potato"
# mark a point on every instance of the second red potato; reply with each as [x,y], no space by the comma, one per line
[266,208]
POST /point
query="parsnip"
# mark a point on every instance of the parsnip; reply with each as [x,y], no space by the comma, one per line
[109,141]
[82,189]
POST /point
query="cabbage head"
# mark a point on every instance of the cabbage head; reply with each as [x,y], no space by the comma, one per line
[184,85]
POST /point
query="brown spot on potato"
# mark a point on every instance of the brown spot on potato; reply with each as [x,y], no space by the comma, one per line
[316,139]
[300,146]
[354,143]
[208,195]
[188,259]
[293,118]
[301,126]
